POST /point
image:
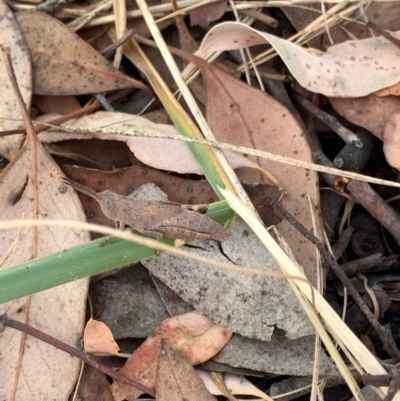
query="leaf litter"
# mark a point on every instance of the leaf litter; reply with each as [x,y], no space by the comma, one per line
[11,36]
[27,363]
[258,309]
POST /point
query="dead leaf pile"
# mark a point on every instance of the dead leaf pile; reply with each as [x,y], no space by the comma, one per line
[167,314]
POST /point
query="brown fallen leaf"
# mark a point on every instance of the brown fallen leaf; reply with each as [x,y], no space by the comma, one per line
[243,115]
[98,339]
[208,13]
[94,385]
[192,334]
[370,112]
[177,380]
[63,64]
[164,154]
[94,153]
[56,104]
[391,140]
[30,189]
[11,36]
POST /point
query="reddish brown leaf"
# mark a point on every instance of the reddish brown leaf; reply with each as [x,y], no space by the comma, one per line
[98,339]
[177,380]
[208,13]
[370,112]
[196,336]
[242,115]
[391,140]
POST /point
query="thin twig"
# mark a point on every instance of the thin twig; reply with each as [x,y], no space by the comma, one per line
[29,330]
[379,209]
[227,146]
[40,127]
[331,121]
[386,338]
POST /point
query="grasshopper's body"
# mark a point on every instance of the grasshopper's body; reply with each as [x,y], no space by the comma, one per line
[155,218]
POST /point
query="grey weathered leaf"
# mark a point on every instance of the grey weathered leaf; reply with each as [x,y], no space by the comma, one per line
[246,304]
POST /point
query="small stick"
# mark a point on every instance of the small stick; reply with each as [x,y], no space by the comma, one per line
[104,102]
[387,35]
[358,266]
[341,244]
[110,49]
[266,19]
[332,122]
[362,264]
[376,206]
[385,335]
[83,356]
[74,114]
[353,158]
[349,158]
[356,319]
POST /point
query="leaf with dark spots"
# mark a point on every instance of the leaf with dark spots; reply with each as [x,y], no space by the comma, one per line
[63,64]
[11,37]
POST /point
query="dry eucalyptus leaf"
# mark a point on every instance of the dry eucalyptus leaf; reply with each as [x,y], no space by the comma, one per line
[164,154]
[280,356]
[30,369]
[208,13]
[370,112]
[11,36]
[351,69]
[247,304]
[237,385]
[192,334]
[177,380]
[391,140]
[243,115]
[250,356]
[98,339]
[63,64]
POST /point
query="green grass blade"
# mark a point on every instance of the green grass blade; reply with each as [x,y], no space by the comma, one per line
[82,261]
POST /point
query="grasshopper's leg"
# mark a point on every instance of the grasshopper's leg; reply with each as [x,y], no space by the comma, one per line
[117,224]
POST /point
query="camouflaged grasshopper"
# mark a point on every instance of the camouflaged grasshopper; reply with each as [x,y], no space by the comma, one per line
[156,218]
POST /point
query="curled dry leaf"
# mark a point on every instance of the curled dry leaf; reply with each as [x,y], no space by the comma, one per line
[164,154]
[351,69]
[11,36]
[64,64]
[192,334]
[237,385]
